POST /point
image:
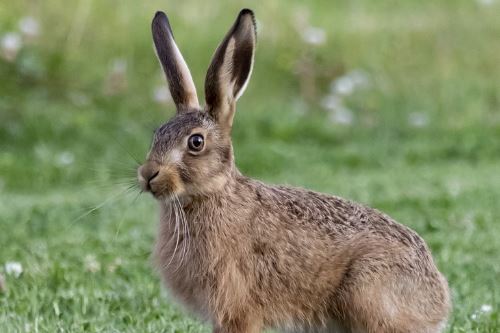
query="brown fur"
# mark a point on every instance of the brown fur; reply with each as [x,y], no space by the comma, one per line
[247,256]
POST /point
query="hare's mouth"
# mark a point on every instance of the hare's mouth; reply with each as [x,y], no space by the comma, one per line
[159,188]
[161,191]
[160,181]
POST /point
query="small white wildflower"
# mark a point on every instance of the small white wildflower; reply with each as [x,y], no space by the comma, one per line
[65,158]
[161,95]
[331,102]
[13,268]
[468,220]
[43,152]
[486,2]
[454,188]
[418,119]
[339,113]
[360,78]
[118,262]
[119,66]
[314,35]
[57,311]
[343,86]
[485,308]
[10,46]
[29,27]
[91,264]
[342,116]
[348,83]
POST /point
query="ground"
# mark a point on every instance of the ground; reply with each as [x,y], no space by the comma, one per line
[418,137]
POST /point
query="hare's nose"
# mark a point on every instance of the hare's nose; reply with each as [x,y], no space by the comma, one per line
[148,172]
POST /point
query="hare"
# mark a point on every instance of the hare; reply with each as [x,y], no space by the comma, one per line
[247,256]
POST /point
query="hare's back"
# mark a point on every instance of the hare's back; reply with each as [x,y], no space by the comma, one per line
[346,223]
[378,255]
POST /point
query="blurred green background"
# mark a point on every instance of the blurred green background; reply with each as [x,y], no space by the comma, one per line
[395,104]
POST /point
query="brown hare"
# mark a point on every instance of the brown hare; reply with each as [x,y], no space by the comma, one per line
[247,256]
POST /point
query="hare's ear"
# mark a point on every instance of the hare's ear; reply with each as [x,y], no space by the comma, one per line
[179,78]
[230,69]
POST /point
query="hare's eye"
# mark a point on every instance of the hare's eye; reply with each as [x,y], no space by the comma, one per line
[196,142]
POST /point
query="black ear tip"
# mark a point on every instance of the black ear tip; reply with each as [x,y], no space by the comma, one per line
[246,11]
[160,22]
[160,15]
[161,18]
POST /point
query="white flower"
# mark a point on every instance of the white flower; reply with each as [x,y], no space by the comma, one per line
[343,85]
[43,153]
[342,116]
[13,268]
[65,158]
[314,35]
[161,95]
[29,27]
[486,2]
[360,78]
[348,83]
[485,308]
[331,102]
[338,112]
[119,66]
[418,119]
[91,264]
[10,45]
[454,187]
[118,262]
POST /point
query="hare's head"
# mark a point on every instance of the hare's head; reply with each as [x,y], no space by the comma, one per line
[192,154]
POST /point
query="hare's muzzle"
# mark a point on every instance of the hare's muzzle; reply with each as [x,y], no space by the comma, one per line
[161,180]
[147,173]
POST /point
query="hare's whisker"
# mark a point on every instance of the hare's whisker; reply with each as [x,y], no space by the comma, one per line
[123,214]
[185,230]
[176,232]
[126,150]
[105,202]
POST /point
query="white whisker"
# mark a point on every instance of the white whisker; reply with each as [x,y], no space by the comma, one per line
[176,232]
[185,230]
[102,204]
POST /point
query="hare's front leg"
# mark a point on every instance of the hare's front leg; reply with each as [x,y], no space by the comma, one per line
[245,325]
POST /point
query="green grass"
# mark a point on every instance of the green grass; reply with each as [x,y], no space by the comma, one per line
[67,150]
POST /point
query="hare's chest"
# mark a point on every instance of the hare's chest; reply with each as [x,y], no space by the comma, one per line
[183,273]
[183,259]
[201,263]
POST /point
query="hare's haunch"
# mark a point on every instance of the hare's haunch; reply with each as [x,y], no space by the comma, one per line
[247,256]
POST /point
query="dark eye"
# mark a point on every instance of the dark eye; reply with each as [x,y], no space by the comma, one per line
[196,142]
